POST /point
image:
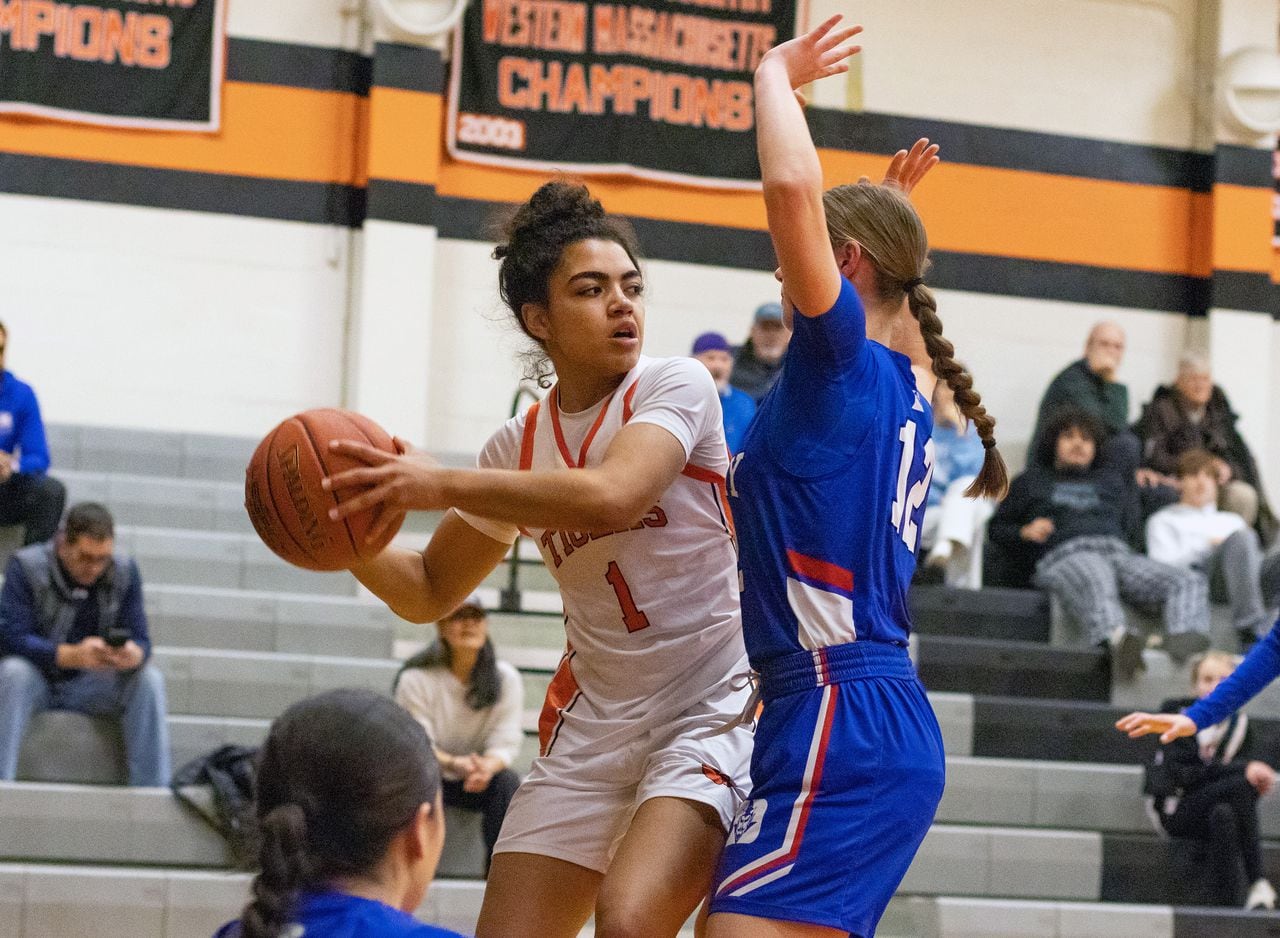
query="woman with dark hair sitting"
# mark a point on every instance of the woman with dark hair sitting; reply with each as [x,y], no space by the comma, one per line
[351,822]
[469,702]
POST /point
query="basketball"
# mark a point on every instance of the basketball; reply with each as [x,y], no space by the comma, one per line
[288,507]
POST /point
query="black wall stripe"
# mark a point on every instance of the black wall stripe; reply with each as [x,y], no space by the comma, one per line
[978,273]
[1015,149]
[407,202]
[1075,283]
[297,66]
[1243,166]
[409,68]
[283,200]
[1245,291]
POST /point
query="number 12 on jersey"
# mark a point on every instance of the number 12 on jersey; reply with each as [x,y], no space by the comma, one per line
[911,494]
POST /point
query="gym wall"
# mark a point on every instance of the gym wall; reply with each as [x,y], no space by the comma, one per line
[322,250]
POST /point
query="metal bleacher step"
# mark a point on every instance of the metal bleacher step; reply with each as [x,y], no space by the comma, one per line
[38,901]
[41,901]
[149,827]
[262,684]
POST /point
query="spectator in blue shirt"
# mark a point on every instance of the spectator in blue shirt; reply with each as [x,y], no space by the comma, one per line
[27,495]
[73,636]
[348,803]
[712,350]
[954,526]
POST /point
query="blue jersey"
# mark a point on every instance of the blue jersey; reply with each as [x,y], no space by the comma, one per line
[338,915]
[830,489]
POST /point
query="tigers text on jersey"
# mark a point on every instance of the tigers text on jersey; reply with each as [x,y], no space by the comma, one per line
[651,612]
[829,491]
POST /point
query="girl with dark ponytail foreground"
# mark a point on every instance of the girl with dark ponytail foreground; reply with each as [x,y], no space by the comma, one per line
[350,816]
[829,493]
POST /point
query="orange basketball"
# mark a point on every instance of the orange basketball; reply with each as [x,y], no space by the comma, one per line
[289,509]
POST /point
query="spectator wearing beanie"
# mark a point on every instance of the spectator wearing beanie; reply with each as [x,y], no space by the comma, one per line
[738,407]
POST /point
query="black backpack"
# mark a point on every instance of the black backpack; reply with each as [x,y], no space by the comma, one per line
[229,771]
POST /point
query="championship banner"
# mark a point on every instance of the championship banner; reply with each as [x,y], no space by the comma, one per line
[657,89]
[154,64]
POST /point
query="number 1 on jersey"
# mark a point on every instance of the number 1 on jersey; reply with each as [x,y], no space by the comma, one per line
[632,618]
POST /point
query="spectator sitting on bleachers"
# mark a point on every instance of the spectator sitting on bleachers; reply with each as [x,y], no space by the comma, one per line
[28,496]
[469,702]
[352,827]
[1090,385]
[1064,516]
[1194,413]
[73,627]
[1206,787]
[758,361]
[953,524]
[736,406]
[1196,534]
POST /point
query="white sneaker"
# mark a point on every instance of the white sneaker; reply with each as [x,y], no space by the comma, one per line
[1262,895]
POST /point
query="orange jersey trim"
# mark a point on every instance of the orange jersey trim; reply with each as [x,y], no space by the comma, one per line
[702,474]
[560,695]
[591,434]
[526,441]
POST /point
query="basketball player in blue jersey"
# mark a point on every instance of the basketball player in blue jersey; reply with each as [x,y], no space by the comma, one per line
[828,495]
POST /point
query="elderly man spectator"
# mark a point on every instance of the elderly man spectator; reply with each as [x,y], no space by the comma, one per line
[736,405]
[1194,414]
[1090,385]
[1195,534]
[27,495]
[759,359]
[1064,515]
[74,632]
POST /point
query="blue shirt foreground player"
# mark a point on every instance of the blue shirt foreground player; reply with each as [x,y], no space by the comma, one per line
[828,494]
[350,814]
[1259,668]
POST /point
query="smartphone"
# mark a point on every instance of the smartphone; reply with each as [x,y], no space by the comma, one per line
[116,636]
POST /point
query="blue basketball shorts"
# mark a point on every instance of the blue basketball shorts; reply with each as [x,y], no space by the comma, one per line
[846,777]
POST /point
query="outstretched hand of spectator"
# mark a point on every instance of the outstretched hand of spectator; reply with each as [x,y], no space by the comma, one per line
[6,466]
[1261,776]
[1170,726]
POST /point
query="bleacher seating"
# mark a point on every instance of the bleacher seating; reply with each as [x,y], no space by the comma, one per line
[1041,831]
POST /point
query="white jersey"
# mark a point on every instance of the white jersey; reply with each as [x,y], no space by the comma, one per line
[651,612]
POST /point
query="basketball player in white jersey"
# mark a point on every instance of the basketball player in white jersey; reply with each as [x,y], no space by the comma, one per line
[619,477]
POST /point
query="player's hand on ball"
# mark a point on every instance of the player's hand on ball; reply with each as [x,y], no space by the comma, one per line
[396,483]
[1169,725]
[819,53]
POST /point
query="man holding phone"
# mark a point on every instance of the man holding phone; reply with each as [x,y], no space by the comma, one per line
[73,634]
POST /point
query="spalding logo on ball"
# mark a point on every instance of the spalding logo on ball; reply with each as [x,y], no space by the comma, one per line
[288,507]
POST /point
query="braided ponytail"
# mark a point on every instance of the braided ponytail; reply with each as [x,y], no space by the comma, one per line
[993,479]
[286,868]
[884,222]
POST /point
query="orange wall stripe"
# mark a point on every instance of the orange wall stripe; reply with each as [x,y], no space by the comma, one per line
[1042,216]
[1242,229]
[268,130]
[406,130]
